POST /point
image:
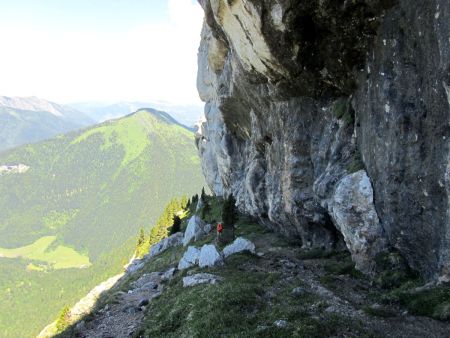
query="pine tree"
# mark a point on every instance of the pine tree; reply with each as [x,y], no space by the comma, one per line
[229,218]
[63,319]
[203,195]
[141,238]
[206,210]
[184,202]
[229,213]
[176,226]
[140,242]
[194,199]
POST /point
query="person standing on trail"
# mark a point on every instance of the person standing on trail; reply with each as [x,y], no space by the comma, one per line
[219,229]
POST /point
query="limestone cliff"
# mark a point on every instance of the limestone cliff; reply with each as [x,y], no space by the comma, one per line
[330,119]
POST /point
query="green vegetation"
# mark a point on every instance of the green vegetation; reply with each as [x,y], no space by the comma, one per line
[60,258]
[394,271]
[141,248]
[246,303]
[257,292]
[37,297]
[434,302]
[63,319]
[379,311]
[130,133]
[343,111]
[239,306]
[229,218]
[57,219]
[81,203]
[162,228]
[176,224]
[356,163]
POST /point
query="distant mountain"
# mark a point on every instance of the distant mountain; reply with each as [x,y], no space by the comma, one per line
[31,119]
[71,208]
[185,114]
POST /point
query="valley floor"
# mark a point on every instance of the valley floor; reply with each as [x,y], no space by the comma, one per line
[282,291]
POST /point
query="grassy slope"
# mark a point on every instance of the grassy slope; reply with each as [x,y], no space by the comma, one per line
[257,291]
[92,190]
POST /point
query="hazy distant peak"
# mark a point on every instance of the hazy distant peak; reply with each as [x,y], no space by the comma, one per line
[31,103]
[36,104]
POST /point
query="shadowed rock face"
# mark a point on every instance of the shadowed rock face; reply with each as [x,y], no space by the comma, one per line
[302,95]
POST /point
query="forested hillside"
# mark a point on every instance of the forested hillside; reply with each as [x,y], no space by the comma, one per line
[71,219]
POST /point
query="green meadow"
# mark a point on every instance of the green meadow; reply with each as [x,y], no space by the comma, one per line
[62,257]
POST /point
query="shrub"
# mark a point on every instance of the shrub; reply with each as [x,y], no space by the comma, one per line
[356,163]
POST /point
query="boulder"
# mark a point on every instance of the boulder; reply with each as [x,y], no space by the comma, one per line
[299,291]
[208,228]
[149,286]
[190,258]
[134,266]
[209,256]
[147,281]
[166,243]
[144,302]
[168,274]
[240,244]
[280,323]
[194,230]
[354,214]
[200,278]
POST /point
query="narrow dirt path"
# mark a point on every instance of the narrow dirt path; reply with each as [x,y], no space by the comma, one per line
[122,316]
[353,294]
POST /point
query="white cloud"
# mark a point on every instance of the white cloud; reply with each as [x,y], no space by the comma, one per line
[148,62]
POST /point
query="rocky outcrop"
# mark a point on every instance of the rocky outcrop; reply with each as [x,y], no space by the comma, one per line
[194,230]
[190,258]
[308,102]
[200,278]
[209,256]
[240,244]
[166,243]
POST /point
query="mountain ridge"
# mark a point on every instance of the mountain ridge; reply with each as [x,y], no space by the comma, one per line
[25,120]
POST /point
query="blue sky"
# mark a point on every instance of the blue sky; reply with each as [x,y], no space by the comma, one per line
[102,50]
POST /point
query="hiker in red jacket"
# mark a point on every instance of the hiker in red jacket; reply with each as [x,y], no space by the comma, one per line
[219,228]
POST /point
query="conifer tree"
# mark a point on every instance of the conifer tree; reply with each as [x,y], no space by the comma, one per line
[194,199]
[203,195]
[229,218]
[141,238]
[176,226]
[206,210]
[229,214]
[63,319]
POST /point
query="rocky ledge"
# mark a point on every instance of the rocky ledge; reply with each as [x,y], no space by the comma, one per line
[329,122]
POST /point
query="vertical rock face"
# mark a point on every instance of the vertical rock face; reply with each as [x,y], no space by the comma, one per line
[330,119]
